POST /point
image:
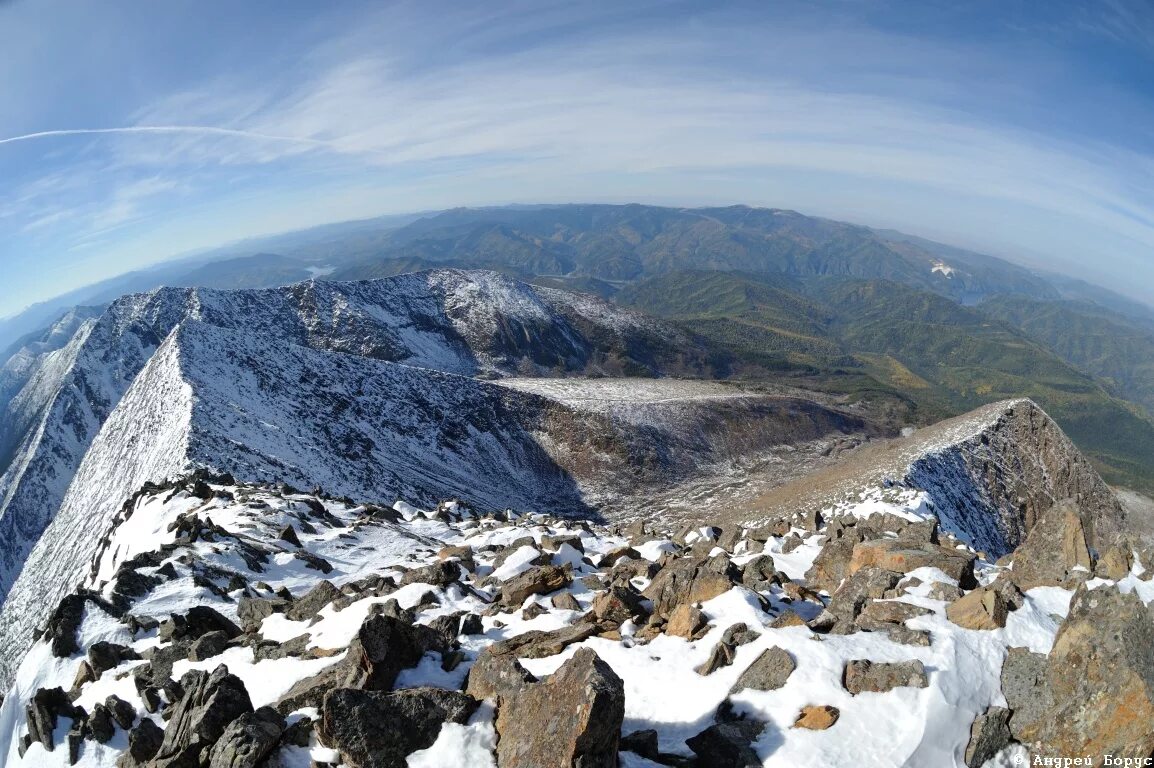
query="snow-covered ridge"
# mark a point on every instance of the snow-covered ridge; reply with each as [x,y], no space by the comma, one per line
[64,386]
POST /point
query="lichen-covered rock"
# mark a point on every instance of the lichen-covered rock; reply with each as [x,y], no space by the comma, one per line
[209,704]
[539,580]
[901,557]
[691,580]
[248,740]
[685,621]
[1100,678]
[572,718]
[817,717]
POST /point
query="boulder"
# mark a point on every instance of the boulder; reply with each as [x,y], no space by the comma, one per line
[384,645]
[982,608]
[288,534]
[379,729]
[538,644]
[726,649]
[728,745]
[100,724]
[768,672]
[572,718]
[989,735]
[208,645]
[901,557]
[1115,563]
[617,605]
[209,704]
[439,574]
[863,675]
[143,743]
[539,580]
[610,558]
[642,743]
[103,656]
[43,712]
[817,718]
[685,621]
[1055,546]
[248,740]
[251,611]
[565,602]
[308,605]
[1100,677]
[200,620]
[1027,694]
[831,565]
[123,713]
[891,611]
[691,580]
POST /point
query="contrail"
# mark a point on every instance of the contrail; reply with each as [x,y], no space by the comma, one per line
[201,129]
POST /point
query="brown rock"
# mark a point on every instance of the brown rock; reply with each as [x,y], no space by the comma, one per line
[572,718]
[1100,675]
[817,718]
[685,621]
[691,580]
[895,555]
[983,608]
[539,580]
[1053,548]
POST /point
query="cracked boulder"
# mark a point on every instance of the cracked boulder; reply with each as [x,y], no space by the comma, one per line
[571,718]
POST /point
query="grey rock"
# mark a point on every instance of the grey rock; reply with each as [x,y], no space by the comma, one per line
[728,745]
[210,703]
[989,734]
[208,645]
[143,743]
[863,675]
[768,672]
[378,729]
[308,605]
[248,740]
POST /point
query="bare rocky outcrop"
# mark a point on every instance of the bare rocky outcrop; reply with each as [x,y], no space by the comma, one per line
[990,474]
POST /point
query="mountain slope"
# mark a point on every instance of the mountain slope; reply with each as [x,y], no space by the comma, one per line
[470,324]
[876,337]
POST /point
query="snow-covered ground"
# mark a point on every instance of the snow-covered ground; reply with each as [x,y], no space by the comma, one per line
[903,727]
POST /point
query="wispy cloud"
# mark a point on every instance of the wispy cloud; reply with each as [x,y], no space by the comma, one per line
[196,130]
[488,104]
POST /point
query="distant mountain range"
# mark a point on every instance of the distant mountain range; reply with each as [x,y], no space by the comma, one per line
[764,294]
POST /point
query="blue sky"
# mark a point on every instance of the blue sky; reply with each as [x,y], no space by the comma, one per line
[1021,128]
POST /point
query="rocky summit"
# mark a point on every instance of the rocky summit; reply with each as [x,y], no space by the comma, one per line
[227,624]
[451,519]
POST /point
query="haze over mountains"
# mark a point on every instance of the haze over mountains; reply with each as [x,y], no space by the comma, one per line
[771,293]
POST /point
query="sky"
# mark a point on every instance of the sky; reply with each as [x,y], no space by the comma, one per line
[133,132]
